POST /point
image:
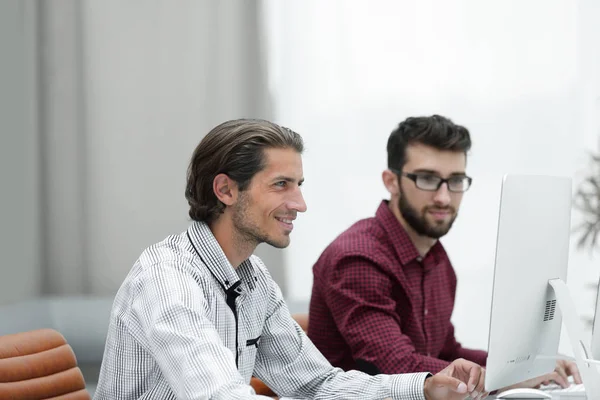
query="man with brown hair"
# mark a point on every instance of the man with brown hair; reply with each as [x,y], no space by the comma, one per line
[198,314]
[383,290]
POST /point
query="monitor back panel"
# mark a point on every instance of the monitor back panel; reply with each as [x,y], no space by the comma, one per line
[532,247]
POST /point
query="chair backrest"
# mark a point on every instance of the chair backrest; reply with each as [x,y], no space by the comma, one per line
[38,365]
[302,320]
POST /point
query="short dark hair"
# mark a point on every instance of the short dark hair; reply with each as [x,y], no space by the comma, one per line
[435,131]
[234,148]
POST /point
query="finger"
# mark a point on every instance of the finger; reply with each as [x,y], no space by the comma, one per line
[573,370]
[450,383]
[474,375]
[560,371]
[559,379]
[483,395]
[481,385]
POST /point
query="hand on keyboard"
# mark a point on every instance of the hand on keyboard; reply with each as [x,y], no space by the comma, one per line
[573,391]
[564,374]
[568,371]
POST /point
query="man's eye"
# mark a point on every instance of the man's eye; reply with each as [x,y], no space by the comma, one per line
[281,183]
[429,178]
[457,180]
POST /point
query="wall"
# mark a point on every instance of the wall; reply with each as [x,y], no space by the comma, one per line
[512,72]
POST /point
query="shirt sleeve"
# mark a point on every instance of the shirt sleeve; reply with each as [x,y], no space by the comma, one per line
[170,308]
[291,365]
[453,350]
[359,296]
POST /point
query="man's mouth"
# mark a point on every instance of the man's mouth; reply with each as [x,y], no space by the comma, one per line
[288,223]
[285,220]
[440,214]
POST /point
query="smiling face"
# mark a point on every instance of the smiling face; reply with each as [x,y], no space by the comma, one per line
[265,211]
[429,213]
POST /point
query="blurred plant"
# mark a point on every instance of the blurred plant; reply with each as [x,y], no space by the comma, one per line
[587,200]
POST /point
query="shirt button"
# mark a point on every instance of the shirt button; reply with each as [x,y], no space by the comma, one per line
[419,259]
[425,312]
[428,354]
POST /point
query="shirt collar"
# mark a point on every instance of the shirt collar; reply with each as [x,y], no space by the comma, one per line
[405,248]
[210,252]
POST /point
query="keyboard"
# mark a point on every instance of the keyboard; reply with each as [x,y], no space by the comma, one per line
[572,392]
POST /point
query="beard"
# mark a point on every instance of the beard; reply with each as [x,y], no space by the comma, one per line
[418,221]
[249,233]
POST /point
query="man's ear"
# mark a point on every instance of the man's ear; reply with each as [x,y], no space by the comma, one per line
[225,189]
[390,181]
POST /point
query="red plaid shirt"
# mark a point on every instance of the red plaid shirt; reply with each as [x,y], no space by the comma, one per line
[377,306]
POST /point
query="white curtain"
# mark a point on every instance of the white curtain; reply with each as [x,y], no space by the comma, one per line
[19,162]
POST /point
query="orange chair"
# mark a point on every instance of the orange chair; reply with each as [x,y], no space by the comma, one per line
[258,385]
[39,365]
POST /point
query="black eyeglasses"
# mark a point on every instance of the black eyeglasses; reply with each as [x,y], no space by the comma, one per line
[432,182]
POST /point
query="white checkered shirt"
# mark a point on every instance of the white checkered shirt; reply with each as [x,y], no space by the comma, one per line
[186,325]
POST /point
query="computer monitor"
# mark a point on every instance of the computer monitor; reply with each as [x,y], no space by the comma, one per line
[595,347]
[532,247]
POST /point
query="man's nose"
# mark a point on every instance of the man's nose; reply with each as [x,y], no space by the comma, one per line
[297,202]
[442,195]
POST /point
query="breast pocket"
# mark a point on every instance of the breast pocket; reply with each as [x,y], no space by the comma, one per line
[248,357]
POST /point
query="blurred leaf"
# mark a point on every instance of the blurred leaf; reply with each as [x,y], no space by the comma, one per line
[587,200]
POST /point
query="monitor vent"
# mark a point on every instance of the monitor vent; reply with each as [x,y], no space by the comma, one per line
[550,308]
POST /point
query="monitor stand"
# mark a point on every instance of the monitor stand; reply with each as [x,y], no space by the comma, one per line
[587,367]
